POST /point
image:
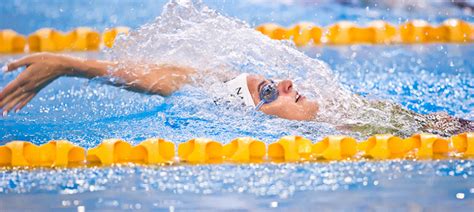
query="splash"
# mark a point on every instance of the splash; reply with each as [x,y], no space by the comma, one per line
[190,34]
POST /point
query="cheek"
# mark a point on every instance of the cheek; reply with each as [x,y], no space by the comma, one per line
[284,105]
[292,110]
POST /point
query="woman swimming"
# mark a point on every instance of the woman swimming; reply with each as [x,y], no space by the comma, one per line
[192,44]
[274,98]
[279,99]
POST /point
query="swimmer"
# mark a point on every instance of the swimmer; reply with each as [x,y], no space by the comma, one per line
[279,99]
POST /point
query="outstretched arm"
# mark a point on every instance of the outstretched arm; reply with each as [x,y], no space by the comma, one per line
[42,69]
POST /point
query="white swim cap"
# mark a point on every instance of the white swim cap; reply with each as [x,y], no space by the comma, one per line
[239,89]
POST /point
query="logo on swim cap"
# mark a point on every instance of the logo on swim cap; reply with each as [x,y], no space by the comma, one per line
[239,89]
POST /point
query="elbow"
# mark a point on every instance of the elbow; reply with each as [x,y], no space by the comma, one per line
[164,85]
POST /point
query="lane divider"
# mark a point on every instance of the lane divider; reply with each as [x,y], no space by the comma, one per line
[302,34]
[200,150]
[156,151]
[243,150]
[113,151]
[291,149]
[108,37]
[11,42]
[335,148]
[375,32]
[51,40]
[54,153]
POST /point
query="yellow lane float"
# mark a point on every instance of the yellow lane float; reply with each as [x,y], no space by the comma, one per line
[413,31]
[108,37]
[335,148]
[49,40]
[305,33]
[383,32]
[358,34]
[274,31]
[11,42]
[428,145]
[84,39]
[302,34]
[340,33]
[290,149]
[21,153]
[79,39]
[61,153]
[200,150]
[52,154]
[436,33]
[245,150]
[153,151]
[110,151]
[383,146]
[458,31]
[376,32]
[464,143]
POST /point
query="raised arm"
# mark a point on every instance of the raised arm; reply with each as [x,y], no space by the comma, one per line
[42,69]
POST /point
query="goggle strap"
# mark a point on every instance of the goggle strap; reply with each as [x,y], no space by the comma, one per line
[259,105]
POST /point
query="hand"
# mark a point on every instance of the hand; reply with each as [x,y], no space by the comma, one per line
[41,69]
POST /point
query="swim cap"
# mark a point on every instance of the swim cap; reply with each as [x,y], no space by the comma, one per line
[239,89]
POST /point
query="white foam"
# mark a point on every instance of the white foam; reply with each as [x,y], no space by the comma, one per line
[220,47]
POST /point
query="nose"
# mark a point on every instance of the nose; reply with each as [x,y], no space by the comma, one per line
[285,86]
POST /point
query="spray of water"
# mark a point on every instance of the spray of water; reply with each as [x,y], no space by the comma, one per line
[190,34]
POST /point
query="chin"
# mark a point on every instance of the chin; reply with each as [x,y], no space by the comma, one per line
[301,117]
[307,118]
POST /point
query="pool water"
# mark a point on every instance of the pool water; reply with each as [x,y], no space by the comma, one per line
[394,185]
[423,78]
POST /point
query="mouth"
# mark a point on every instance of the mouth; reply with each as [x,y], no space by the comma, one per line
[298,97]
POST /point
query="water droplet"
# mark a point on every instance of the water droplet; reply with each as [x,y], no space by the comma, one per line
[347,179]
[81,208]
[274,204]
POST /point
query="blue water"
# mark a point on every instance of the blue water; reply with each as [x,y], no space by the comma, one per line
[26,16]
[424,78]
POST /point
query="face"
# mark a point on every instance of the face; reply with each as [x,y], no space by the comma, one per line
[289,104]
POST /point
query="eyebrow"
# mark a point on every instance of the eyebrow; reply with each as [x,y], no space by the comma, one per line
[260,85]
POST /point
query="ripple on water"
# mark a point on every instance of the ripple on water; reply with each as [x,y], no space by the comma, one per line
[280,180]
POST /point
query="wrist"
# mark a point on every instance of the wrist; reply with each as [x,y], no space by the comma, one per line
[71,66]
[79,67]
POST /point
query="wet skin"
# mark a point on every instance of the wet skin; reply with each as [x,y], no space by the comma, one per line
[43,68]
[289,104]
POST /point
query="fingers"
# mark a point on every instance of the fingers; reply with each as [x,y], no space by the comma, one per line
[18,103]
[14,89]
[13,85]
[15,94]
[24,102]
[25,61]
[14,102]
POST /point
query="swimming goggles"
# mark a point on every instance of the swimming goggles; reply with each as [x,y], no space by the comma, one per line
[268,94]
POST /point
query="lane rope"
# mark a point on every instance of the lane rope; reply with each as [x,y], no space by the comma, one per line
[302,34]
[375,32]
[157,151]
